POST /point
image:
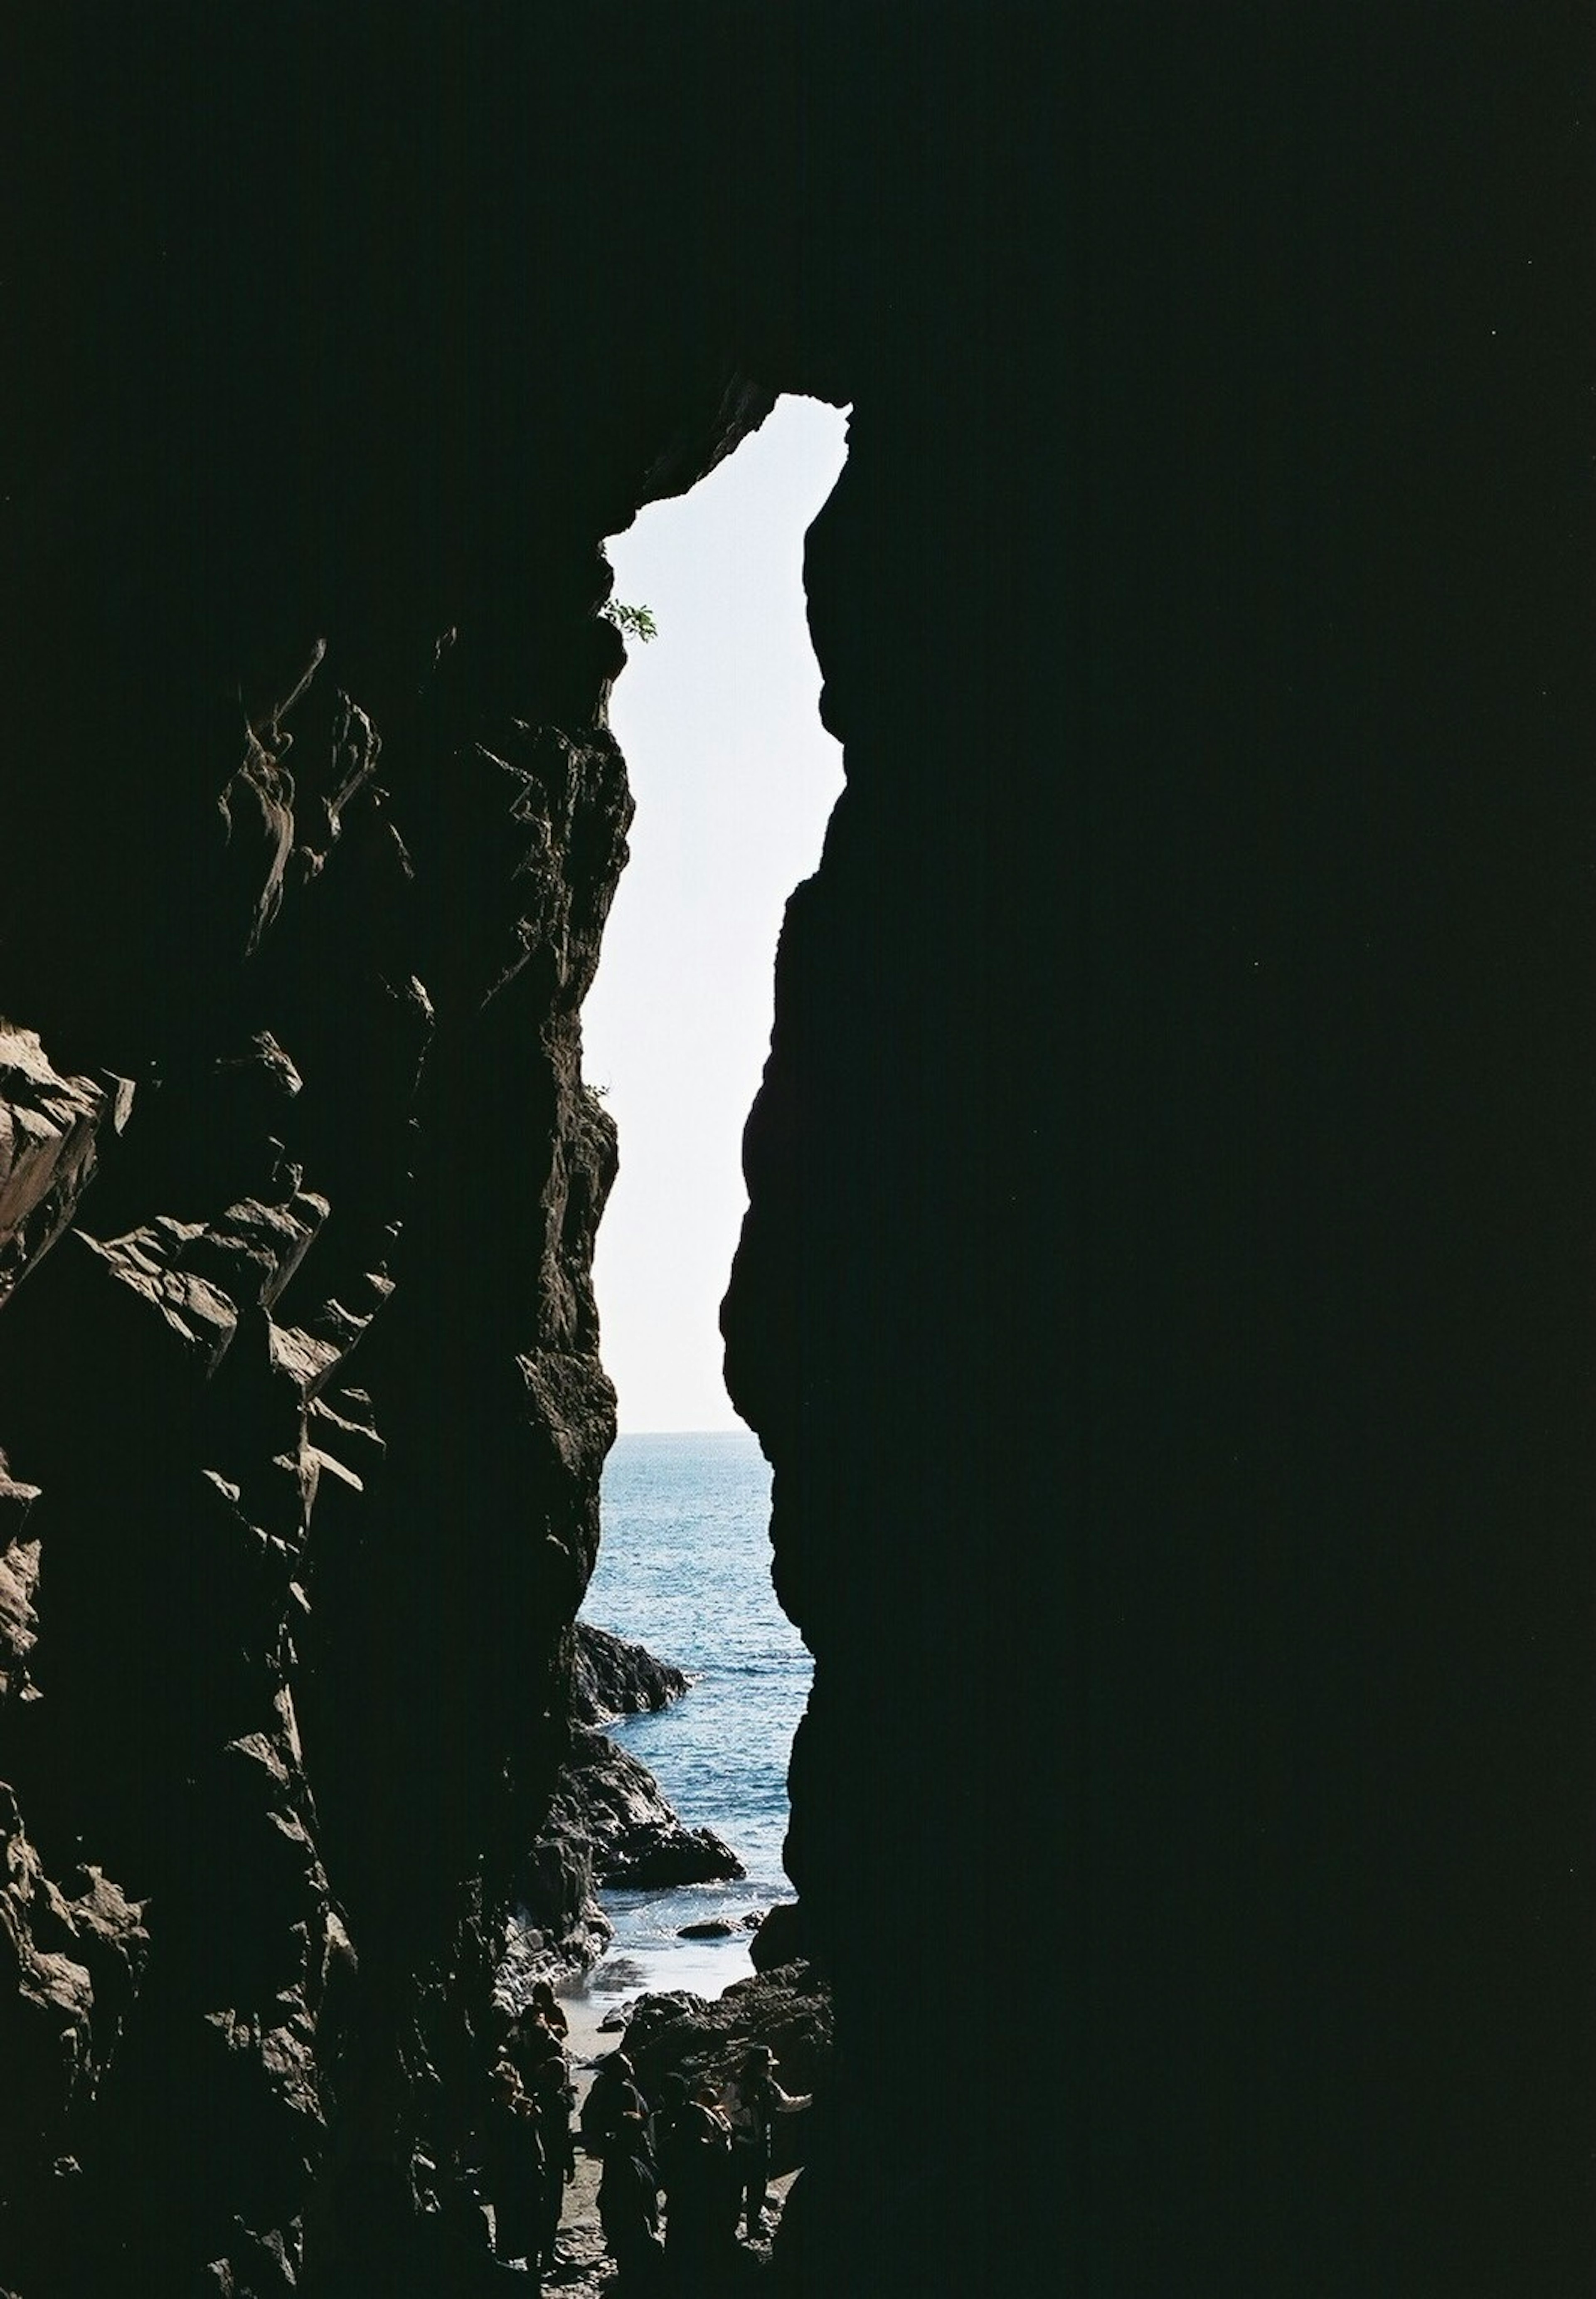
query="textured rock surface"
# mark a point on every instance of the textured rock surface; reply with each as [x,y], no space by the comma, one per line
[19,1575]
[280,1568]
[606,1816]
[611,1676]
[51,1134]
[1166,1292]
[607,1825]
[612,1803]
[71,1960]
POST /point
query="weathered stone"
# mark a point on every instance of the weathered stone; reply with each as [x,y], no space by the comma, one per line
[610,1677]
[608,1827]
[635,1840]
[52,1133]
[71,1955]
[19,1577]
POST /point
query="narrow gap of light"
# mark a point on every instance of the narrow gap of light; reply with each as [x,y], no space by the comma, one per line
[734,777]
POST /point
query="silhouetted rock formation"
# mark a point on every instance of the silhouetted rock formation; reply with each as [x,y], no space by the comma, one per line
[610,1801]
[555,1926]
[1166,1292]
[607,1823]
[608,1826]
[611,1676]
[780,1937]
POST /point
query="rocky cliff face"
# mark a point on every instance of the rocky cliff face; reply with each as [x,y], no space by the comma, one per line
[1166,1292]
[1135,1298]
[314,1414]
[301,1404]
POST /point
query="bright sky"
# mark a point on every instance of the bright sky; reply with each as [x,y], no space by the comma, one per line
[734,777]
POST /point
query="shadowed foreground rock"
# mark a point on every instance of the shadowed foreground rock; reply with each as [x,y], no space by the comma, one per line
[781,1937]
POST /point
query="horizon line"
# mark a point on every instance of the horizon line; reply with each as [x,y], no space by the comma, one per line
[734,1429]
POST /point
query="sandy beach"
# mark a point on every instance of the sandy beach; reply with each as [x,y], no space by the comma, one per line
[588,2042]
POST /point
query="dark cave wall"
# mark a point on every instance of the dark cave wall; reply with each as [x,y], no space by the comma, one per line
[313,822]
[1166,1292]
[311,1394]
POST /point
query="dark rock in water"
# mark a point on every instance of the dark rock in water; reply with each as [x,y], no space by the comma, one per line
[755,1917]
[783,1937]
[618,1973]
[682,2034]
[667,2003]
[634,1839]
[654,1860]
[610,1677]
[711,1927]
[608,1827]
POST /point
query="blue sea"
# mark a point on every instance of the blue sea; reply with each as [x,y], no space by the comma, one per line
[685,1568]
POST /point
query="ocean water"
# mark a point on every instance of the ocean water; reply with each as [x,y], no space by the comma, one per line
[685,1569]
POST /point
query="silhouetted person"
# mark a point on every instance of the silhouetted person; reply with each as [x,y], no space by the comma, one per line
[671,2141]
[513,2148]
[753,2099]
[700,2200]
[532,2042]
[613,2093]
[550,2010]
[551,2106]
[668,2108]
[460,2208]
[628,2200]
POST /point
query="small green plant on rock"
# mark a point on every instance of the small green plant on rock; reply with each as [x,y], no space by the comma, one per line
[631,622]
